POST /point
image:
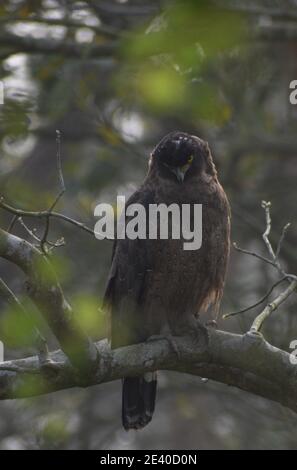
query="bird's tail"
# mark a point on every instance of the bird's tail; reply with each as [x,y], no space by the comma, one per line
[138,400]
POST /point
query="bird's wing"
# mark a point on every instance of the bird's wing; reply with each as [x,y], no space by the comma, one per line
[126,284]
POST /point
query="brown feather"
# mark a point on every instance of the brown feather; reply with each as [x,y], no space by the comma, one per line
[156,285]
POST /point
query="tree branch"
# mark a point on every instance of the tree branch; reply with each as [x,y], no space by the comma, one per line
[272,306]
[39,340]
[244,361]
[44,214]
[45,291]
[256,304]
[273,261]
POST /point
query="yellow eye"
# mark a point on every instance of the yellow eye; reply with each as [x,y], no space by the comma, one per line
[190,159]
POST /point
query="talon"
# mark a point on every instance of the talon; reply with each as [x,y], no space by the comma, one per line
[173,345]
[199,331]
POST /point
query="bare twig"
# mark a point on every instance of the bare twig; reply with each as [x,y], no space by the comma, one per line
[259,302]
[272,306]
[274,256]
[281,240]
[44,214]
[5,292]
[266,206]
[43,240]
[60,172]
[291,278]
[32,233]
[28,230]
[252,253]
[12,223]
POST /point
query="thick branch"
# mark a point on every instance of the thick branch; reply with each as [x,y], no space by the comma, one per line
[39,341]
[45,291]
[247,362]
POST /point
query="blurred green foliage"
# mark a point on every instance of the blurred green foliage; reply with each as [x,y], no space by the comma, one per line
[190,65]
[89,315]
[173,52]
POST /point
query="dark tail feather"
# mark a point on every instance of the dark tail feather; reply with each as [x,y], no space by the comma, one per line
[138,400]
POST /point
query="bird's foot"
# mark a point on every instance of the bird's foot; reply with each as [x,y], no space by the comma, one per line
[170,339]
[199,332]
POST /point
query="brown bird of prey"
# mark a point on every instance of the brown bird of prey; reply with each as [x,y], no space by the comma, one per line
[156,287]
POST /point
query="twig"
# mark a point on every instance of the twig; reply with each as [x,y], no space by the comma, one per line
[5,292]
[266,206]
[44,213]
[60,172]
[272,306]
[281,240]
[59,242]
[12,223]
[274,256]
[252,253]
[43,240]
[28,230]
[291,278]
[259,302]
[46,293]
[47,214]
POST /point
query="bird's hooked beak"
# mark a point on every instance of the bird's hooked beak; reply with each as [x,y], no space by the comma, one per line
[180,172]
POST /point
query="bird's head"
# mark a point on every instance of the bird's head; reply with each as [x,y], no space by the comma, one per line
[182,156]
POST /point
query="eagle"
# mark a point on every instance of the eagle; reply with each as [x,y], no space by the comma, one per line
[155,287]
